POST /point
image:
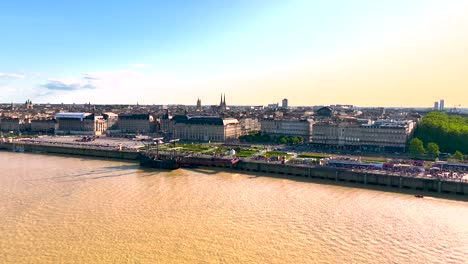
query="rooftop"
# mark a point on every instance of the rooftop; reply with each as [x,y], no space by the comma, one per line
[205,120]
[72,115]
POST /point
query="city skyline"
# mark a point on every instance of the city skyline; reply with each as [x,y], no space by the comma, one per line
[390,53]
[271,105]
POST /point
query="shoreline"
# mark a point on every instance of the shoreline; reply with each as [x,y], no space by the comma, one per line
[322,175]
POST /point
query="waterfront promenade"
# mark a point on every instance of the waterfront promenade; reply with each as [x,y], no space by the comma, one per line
[420,182]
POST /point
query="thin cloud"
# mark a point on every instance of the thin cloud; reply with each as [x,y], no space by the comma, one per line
[111,75]
[58,85]
[90,77]
[9,76]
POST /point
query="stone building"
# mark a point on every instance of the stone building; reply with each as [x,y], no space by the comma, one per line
[14,124]
[356,134]
[249,126]
[286,127]
[166,124]
[80,124]
[28,104]
[111,119]
[205,128]
[44,125]
[137,123]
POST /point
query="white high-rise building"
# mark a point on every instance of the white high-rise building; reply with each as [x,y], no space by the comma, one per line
[441,105]
[436,106]
[284,103]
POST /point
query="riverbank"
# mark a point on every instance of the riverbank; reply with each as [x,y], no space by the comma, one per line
[337,176]
[19,146]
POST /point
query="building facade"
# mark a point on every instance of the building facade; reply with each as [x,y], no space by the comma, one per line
[137,123]
[111,120]
[205,128]
[249,126]
[44,126]
[297,128]
[381,135]
[28,104]
[80,124]
[14,125]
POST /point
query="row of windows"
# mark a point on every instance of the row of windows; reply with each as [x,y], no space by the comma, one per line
[200,137]
[336,143]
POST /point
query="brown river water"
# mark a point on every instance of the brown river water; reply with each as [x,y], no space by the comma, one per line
[58,209]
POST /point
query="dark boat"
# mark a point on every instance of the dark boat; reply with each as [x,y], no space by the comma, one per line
[152,159]
[419,196]
[191,161]
[158,162]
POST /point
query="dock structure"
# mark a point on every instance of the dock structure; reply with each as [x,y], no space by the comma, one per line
[335,175]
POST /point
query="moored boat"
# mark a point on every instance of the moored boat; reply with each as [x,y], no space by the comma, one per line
[193,161]
[158,162]
[152,159]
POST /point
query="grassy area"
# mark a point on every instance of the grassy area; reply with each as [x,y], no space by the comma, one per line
[270,154]
[246,152]
[193,147]
[311,156]
[217,150]
[211,149]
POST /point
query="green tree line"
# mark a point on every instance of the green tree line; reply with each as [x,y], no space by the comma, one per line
[450,133]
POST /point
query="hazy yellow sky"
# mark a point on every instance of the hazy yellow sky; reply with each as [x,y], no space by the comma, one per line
[412,67]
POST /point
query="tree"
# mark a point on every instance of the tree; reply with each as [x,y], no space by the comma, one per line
[296,140]
[458,155]
[265,138]
[450,132]
[416,146]
[433,149]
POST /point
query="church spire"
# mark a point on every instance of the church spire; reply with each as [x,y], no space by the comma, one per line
[198,104]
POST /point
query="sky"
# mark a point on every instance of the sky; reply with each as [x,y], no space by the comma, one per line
[257,52]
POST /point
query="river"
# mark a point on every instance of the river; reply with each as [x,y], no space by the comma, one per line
[58,209]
